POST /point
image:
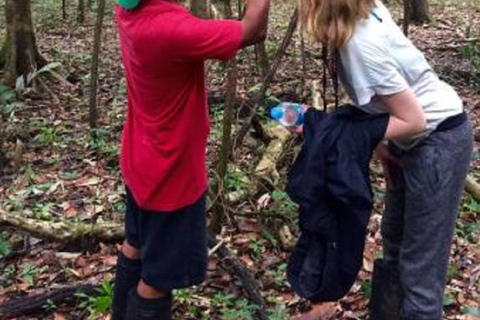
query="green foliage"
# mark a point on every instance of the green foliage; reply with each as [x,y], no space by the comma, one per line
[278,275]
[49,306]
[471,51]
[271,46]
[468,231]
[257,247]
[6,95]
[7,101]
[8,275]
[42,211]
[217,121]
[236,181]
[9,271]
[181,294]
[448,300]
[279,313]
[29,273]
[239,309]
[24,81]
[473,206]
[5,247]
[283,205]
[99,303]
[232,308]
[367,289]
[471,311]
[50,135]
[100,142]
[453,272]
[70,175]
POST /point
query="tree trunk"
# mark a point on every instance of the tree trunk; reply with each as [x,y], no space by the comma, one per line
[406,16]
[81,11]
[20,51]
[228,116]
[95,63]
[419,11]
[262,58]
[64,9]
[199,8]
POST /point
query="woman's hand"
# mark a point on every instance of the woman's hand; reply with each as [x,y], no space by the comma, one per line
[387,160]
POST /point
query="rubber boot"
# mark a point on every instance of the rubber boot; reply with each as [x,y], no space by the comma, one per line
[387,294]
[126,278]
[140,308]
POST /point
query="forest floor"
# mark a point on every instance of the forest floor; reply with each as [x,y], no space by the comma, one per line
[66,175]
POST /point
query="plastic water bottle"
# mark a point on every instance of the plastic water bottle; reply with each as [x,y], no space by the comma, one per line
[289,114]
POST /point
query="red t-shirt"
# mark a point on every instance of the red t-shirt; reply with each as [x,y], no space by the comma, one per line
[164,138]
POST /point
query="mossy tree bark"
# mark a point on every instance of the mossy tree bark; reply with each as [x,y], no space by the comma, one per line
[20,54]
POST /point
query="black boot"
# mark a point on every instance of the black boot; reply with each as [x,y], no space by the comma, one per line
[387,294]
[126,278]
[148,309]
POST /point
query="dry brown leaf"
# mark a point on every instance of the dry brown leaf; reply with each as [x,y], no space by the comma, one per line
[110,261]
[69,210]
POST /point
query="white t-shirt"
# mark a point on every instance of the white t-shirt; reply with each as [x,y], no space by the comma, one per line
[379,60]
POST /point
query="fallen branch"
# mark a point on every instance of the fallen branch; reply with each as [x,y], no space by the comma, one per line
[473,188]
[267,80]
[95,63]
[63,231]
[249,283]
[267,167]
[27,305]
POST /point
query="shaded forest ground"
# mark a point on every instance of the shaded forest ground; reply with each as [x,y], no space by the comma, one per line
[65,174]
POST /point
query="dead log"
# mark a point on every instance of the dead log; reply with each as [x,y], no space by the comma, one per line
[267,167]
[63,231]
[27,305]
[473,188]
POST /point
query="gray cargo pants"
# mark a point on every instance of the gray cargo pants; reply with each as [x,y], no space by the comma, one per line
[419,222]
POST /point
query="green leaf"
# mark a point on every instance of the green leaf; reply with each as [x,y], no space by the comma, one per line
[474,206]
[448,301]
[49,67]
[102,304]
[367,289]
[472,311]
[5,247]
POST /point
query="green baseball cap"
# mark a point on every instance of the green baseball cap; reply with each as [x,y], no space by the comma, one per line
[128,4]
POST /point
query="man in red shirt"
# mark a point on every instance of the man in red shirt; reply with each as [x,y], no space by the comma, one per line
[164,48]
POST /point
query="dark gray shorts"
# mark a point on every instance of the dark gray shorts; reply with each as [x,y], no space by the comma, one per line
[172,245]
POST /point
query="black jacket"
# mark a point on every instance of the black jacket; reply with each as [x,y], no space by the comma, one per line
[330,181]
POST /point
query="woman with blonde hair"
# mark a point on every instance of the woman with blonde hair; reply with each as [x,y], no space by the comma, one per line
[426,159]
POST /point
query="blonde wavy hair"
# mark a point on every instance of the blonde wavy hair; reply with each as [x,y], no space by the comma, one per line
[332,22]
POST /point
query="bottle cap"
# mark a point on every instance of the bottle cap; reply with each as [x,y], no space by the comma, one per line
[128,4]
[276,113]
